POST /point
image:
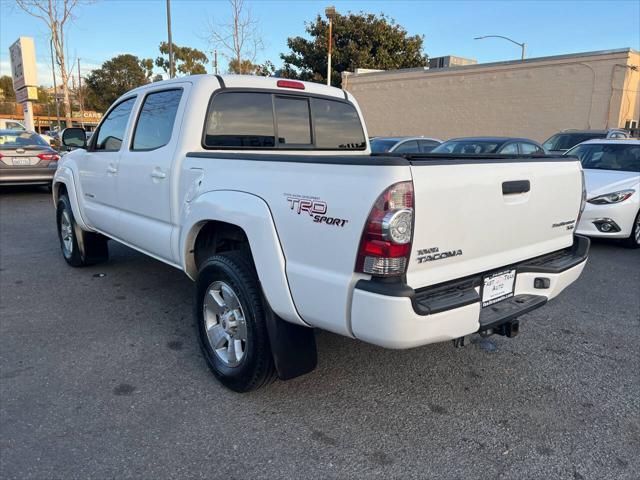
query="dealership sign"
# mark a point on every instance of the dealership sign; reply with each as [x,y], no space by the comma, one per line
[23,66]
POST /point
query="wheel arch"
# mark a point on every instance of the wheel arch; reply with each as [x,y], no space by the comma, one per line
[230,217]
[63,182]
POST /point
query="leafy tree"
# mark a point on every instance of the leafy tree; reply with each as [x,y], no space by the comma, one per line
[112,79]
[188,61]
[359,41]
[246,67]
[6,85]
[267,69]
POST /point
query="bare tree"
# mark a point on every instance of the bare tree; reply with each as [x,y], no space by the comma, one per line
[239,39]
[55,14]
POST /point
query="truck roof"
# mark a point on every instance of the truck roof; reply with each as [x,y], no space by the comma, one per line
[248,81]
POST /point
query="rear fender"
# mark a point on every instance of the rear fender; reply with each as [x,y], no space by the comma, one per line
[252,214]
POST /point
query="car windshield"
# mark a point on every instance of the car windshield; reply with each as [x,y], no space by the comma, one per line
[17,139]
[565,141]
[599,156]
[381,145]
[467,147]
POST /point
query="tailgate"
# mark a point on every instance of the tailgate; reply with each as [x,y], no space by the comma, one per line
[478,214]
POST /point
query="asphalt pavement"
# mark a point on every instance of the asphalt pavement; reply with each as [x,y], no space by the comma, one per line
[101,377]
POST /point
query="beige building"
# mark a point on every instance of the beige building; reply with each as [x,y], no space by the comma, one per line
[533,98]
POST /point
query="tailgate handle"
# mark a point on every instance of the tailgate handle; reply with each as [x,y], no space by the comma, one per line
[516,186]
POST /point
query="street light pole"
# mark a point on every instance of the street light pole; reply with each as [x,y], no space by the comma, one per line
[522,45]
[171,69]
[329,12]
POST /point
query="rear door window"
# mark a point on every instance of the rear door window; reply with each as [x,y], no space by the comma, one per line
[509,149]
[410,146]
[427,145]
[156,119]
[530,149]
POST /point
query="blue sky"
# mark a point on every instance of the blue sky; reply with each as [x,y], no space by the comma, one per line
[110,27]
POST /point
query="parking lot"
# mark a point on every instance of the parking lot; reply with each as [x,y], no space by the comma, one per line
[101,377]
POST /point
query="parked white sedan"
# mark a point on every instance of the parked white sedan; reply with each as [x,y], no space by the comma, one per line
[612,180]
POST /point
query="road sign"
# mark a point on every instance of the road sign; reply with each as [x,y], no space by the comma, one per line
[23,63]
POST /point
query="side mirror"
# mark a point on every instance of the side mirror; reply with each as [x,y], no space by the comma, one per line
[74,137]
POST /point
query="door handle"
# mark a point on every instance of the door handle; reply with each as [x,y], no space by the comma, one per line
[159,174]
[516,186]
[112,169]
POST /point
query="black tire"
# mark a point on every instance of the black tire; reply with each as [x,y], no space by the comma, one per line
[256,368]
[632,241]
[81,248]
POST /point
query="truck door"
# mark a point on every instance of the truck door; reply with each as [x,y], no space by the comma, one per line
[145,172]
[98,169]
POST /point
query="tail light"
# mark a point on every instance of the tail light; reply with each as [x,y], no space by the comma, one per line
[386,241]
[49,157]
[583,199]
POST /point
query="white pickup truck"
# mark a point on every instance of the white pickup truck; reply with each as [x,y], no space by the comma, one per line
[264,191]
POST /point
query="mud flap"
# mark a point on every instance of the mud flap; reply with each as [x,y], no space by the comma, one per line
[293,347]
[93,246]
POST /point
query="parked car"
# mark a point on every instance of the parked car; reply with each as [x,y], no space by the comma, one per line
[567,139]
[490,146]
[403,144]
[26,158]
[612,178]
[9,124]
[265,193]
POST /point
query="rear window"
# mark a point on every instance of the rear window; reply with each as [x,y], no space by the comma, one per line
[565,141]
[21,139]
[256,120]
[467,147]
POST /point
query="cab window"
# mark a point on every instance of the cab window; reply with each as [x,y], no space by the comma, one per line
[114,126]
[155,121]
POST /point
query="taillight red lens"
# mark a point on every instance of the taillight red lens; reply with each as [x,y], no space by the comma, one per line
[386,241]
[290,84]
[49,157]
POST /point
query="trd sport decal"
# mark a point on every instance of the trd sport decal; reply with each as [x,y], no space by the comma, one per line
[434,253]
[314,207]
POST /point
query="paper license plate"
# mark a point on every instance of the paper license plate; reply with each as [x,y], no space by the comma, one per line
[497,287]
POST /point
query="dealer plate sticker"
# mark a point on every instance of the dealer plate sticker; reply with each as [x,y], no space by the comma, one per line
[497,287]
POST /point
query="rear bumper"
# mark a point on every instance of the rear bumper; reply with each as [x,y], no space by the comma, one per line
[396,316]
[28,175]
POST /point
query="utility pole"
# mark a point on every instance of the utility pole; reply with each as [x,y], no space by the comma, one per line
[329,12]
[171,67]
[55,87]
[80,96]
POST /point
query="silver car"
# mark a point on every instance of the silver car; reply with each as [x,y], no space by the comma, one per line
[26,158]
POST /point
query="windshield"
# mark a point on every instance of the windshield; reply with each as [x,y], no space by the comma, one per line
[381,145]
[598,156]
[467,147]
[565,141]
[13,140]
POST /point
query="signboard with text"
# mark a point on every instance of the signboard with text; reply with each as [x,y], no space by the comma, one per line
[23,63]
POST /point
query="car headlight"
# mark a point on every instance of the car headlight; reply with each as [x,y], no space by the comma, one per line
[615,197]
